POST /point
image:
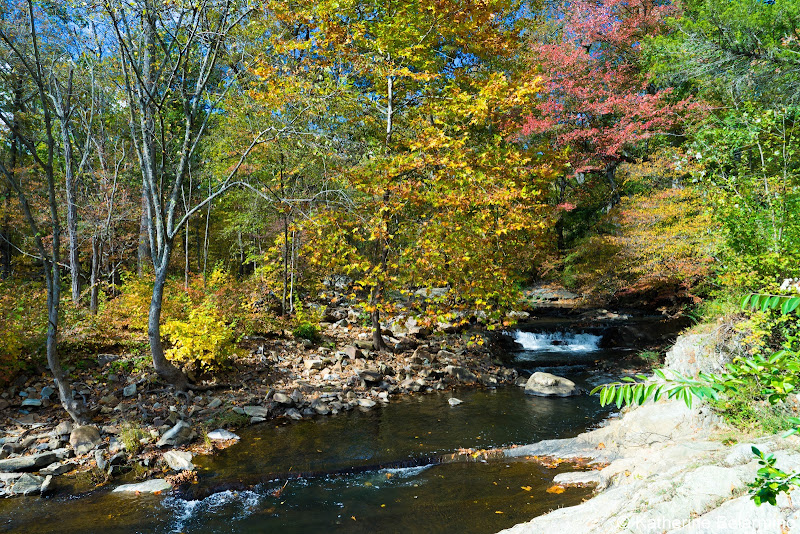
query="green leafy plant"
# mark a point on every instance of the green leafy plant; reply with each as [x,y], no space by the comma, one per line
[306,331]
[770,481]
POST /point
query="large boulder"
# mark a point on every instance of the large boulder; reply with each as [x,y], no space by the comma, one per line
[84,438]
[460,373]
[548,385]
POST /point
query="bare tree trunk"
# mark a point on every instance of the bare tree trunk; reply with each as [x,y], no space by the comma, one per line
[143,252]
[97,252]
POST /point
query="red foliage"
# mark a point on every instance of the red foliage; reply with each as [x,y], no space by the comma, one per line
[596,103]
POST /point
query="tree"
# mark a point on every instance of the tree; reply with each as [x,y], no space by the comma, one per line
[24,51]
[169,56]
[597,104]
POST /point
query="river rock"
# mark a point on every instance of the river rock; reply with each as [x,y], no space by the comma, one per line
[180,434]
[155,485]
[63,428]
[32,403]
[460,373]
[27,463]
[84,438]
[129,390]
[214,403]
[100,460]
[581,478]
[366,403]
[27,485]
[314,364]
[294,413]
[548,385]
[222,435]
[57,468]
[256,411]
[282,398]
[369,376]
[454,401]
[179,460]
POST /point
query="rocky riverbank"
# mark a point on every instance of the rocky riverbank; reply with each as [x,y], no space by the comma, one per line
[666,468]
[141,430]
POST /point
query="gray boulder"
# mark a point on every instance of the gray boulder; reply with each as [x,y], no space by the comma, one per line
[460,373]
[547,385]
[84,438]
[28,484]
[27,463]
[256,411]
[180,434]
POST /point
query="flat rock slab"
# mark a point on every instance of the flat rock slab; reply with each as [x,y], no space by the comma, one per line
[256,411]
[549,385]
[154,485]
[27,463]
[581,478]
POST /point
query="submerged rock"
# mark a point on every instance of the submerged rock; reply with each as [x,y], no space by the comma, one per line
[548,385]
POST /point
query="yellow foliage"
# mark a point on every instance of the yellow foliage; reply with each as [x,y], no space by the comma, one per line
[204,338]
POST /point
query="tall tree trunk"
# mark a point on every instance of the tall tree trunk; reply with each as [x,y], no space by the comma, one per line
[72,208]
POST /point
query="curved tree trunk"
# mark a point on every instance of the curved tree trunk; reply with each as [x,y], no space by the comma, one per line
[163,367]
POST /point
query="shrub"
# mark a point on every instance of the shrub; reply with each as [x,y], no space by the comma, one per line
[204,339]
[306,330]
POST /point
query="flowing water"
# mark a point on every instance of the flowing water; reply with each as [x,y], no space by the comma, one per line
[370,471]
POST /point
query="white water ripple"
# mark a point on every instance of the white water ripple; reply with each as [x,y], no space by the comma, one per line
[243,502]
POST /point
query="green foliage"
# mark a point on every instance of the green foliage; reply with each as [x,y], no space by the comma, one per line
[770,481]
[23,324]
[306,330]
[131,435]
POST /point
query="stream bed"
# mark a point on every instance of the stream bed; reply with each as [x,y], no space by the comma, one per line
[370,471]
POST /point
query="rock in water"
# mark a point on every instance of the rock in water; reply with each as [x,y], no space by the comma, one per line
[27,484]
[454,401]
[222,435]
[179,460]
[547,385]
[84,438]
[180,434]
[155,485]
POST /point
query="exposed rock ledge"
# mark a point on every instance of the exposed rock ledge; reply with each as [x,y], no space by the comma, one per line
[668,471]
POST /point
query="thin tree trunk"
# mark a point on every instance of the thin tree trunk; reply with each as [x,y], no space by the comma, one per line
[97,251]
[143,252]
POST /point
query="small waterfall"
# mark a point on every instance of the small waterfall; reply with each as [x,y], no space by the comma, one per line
[557,341]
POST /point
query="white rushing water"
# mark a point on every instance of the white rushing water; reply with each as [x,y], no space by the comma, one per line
[557,341]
